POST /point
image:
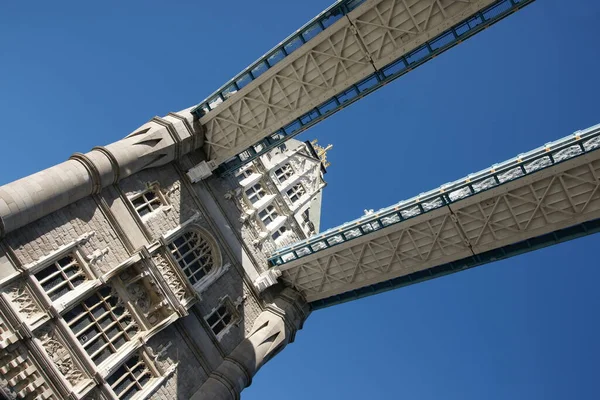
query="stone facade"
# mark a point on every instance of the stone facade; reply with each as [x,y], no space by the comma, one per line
[122,277]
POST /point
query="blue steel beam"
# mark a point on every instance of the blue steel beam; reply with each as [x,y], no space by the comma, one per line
[576,145]
[429,50]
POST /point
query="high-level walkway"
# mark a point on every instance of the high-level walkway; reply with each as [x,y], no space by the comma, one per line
[346,52]
[349,50]
[537,199]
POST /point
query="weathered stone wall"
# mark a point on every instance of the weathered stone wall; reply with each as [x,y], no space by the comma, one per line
[64,226]
[189,374]
[231,285]
[219,187]
[112,222]
[180,205]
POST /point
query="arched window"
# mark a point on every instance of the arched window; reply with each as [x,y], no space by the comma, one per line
[195,255]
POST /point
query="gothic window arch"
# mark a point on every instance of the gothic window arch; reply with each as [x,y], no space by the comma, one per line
[196,253]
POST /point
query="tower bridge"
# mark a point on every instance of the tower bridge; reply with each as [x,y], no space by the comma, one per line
[177,261]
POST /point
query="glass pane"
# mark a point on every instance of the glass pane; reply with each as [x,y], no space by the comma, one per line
[275,57]
[259,70]
[228,91]
[311,31]
[214,102]
[243,81]
[293,45]
[331,17]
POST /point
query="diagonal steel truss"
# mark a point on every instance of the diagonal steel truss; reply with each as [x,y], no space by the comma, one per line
[564,195]
[353,48]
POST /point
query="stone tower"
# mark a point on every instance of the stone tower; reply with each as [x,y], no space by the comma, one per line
[131,272]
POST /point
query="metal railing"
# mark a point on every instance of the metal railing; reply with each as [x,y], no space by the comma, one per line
[427,51]
[290,44]
[577,144]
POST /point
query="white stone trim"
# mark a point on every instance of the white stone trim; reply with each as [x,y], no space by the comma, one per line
[170,235]
[263,202]
[267,279]
[62,251]
[201,171]
[250,181]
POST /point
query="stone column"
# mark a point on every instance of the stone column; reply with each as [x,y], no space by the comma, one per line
[155,143]
[271,332]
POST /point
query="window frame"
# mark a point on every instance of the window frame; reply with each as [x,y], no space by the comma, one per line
[54,260]
[285,171]
[269,212]
[279,232]
[159,198]
[218,266]
[231,310]
[129,331]
[246,173]
[148,369]
[297,191]
[256,193]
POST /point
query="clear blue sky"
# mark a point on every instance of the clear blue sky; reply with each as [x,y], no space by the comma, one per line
[78,74]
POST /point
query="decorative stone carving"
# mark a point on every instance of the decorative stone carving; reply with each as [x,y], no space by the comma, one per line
[145,294]
[173,280]
[255,227]
[97,255]
[7,336]
[20,295]
[164,359]
[60,356]
[172,189]
[20,377]
[267,279]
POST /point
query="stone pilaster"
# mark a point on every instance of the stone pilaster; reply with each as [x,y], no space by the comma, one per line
[272,331]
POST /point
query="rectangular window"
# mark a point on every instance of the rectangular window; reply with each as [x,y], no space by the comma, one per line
[284,173]
[219,319]
[148,201]
[130,378]
[279,232]
[61,276]
[296,192]
[101,323]
[255,193]
[305,215]
[268,215]
[246,173]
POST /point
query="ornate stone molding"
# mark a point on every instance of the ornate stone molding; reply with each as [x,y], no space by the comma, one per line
[24,302]
[173,280]
[144,293]
[61,357]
